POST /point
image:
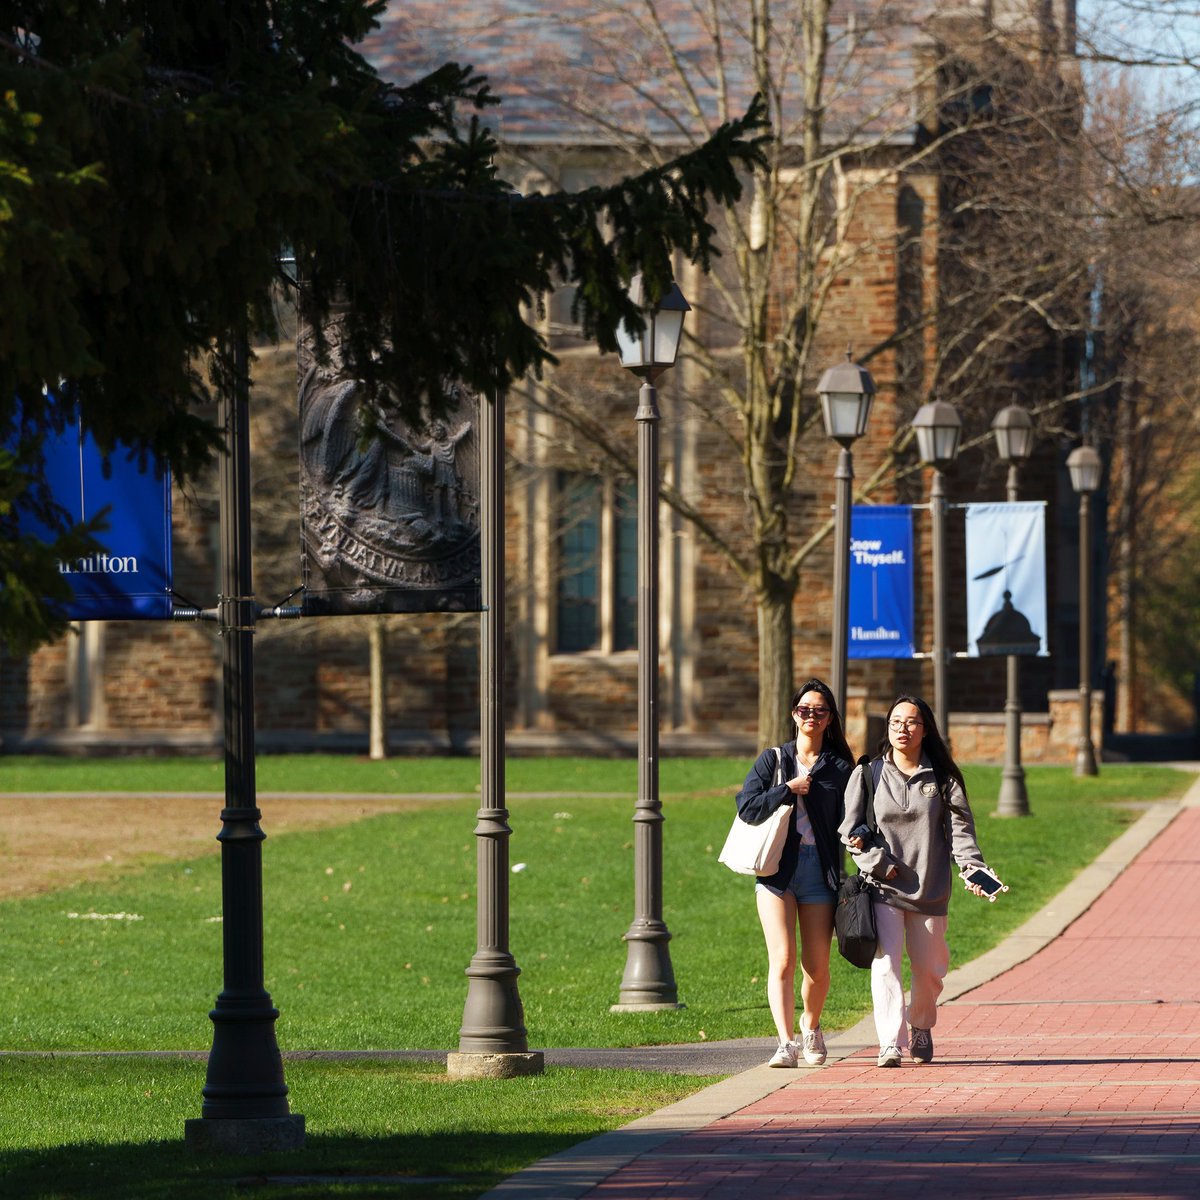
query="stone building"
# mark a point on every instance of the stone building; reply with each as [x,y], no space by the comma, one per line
[568,119]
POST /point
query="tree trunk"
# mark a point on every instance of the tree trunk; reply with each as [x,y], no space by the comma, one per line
[775,670]
[377,640]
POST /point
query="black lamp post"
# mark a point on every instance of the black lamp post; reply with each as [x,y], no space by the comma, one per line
[1086,468]
[938,429]
[1013,428]
[245,1108]
[649,982]
[846,392]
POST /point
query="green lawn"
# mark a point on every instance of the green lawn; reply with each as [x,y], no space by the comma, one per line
[344,773]
[113,1129]
[369,927]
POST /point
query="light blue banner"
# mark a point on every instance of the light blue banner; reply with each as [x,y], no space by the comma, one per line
[1006,579]
[881,582]
[131,577]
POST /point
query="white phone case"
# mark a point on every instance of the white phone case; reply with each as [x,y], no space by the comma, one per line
[988,879]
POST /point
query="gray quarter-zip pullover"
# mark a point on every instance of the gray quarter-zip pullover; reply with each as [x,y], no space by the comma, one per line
[912,836]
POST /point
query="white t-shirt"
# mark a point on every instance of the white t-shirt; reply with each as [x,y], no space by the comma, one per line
[803,824]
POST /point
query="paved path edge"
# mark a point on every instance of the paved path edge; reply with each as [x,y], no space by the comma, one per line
[573,1172]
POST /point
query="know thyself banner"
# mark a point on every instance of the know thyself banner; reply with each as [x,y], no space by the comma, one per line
[881,582]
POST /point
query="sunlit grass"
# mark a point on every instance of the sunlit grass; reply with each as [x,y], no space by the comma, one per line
[302,773]
[370,925]
[368,929]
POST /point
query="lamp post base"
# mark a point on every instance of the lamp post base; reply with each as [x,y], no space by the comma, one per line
[244,1135]
[646,1006]
[649,981]
[1085,760]
[493,1018]
[1014,798]
[494,1066]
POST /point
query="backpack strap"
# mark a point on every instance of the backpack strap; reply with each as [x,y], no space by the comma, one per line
[943,787]
[871,772]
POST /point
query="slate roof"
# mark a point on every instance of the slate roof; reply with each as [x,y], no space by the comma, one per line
[598,71]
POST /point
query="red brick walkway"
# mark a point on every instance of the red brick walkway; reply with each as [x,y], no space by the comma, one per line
[1075,1073]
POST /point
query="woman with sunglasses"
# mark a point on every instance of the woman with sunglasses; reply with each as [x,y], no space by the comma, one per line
[803,892]
[924,821]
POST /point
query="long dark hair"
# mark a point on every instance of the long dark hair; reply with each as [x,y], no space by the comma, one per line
[835,737]
[932,744]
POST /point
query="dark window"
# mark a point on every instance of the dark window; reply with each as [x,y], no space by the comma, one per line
[578,622]
[597,560]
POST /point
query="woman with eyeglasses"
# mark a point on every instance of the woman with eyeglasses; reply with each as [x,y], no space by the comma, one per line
[803,892]
[924,820]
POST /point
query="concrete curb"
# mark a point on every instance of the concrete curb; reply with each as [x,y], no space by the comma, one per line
[575,1171]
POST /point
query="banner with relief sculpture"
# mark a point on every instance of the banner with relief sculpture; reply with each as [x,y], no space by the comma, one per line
[389,524]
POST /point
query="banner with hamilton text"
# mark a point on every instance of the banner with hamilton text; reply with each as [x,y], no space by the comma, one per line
[130,578]
[881,582]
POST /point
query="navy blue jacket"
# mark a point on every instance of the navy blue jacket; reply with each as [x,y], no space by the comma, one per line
[759,798]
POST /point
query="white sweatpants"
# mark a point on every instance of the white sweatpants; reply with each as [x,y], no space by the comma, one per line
[929,958]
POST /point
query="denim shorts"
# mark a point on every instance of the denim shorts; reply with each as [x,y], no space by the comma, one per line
[807,883]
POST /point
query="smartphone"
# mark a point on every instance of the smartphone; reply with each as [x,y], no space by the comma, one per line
[985,879]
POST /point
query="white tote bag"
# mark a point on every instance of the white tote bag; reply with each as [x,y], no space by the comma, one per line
[755,849]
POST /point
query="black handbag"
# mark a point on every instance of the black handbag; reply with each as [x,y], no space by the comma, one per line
[854,917]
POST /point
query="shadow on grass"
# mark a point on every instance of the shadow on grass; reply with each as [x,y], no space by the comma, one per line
[444,1166]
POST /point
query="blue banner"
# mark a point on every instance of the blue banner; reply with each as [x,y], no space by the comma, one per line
[131,577]
[1006,578]
[881,582]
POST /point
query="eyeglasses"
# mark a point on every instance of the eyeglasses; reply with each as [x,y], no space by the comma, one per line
[898,725]
[805,713]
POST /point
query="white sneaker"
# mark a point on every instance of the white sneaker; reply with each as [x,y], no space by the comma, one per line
[814,1046]
[785,1056]
[889,1056]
